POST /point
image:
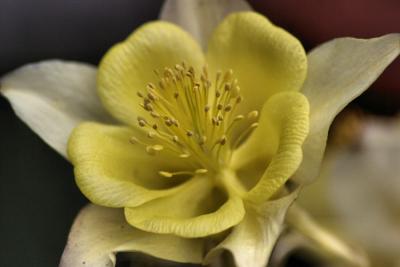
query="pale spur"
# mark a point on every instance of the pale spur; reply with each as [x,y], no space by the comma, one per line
[358,181]
[210,137]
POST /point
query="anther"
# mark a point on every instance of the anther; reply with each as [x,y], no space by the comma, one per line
[252,115]
[168,72]
[157,147]
[150,134]
[254,125]
[179,67]
[219,106]
[151,86]
[228,108]
[165,174]
[201,171]
[133,140]
[222,141]
[203,140]
[236,90]
[189,133]
[191,70]
[171,174]
[152,150]
[151,96]
[148,107]
[161,84]
[228,75]
[206,108]
[154,114]
[169,122]
[139,94]
[142,123]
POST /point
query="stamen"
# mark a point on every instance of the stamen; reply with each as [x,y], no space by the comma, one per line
[244,134]
[171,174]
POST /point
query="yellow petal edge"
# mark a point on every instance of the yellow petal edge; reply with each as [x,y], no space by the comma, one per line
[109,170]
[264,58]
[181,213]
[129,66]
[285,115]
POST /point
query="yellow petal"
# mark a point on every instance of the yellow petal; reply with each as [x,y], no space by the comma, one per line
[283,126]
[111,171]
[130,65]
[264,58]
[99,233]
[187,213]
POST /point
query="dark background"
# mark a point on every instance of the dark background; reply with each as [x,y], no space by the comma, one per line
[38,196]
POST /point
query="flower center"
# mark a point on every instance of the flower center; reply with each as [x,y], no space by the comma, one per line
[193,117]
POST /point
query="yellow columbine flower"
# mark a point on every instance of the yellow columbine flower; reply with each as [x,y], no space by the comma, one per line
[185,164]
[208,140]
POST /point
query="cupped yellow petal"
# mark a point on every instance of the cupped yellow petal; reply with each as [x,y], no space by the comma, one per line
[129,66]
[188,213]
[277,141]
[264,58]
[111,171]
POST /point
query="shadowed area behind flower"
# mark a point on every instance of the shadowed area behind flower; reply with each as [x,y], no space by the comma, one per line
[359,183]
[315,22]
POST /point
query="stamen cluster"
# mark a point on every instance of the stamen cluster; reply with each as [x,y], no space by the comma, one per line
[192,117]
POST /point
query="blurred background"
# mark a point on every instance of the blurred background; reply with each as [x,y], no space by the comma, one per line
[38,196]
